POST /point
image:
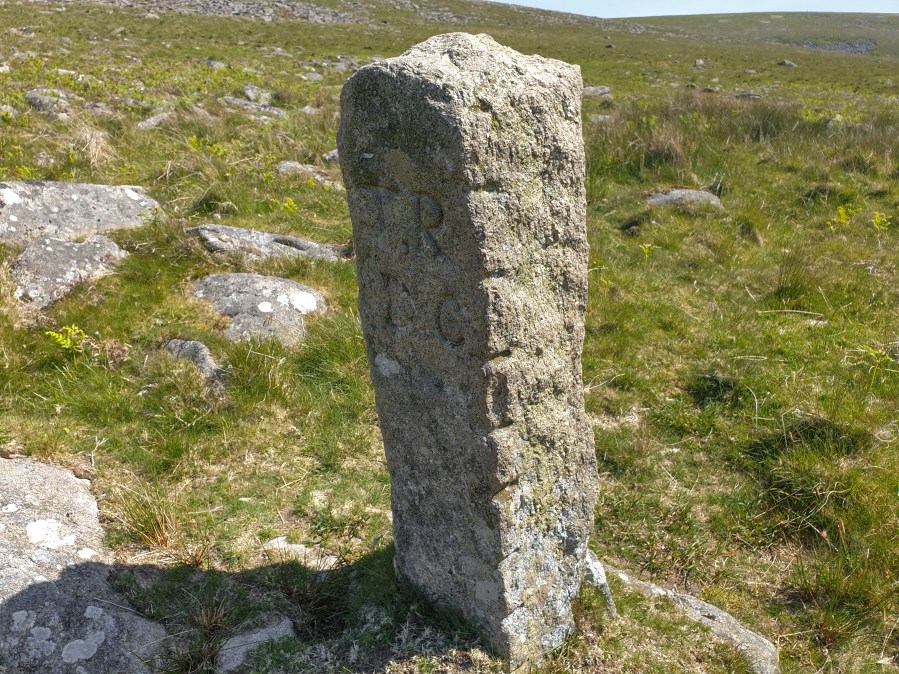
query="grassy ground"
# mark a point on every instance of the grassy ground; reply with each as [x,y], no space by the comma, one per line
[742,366]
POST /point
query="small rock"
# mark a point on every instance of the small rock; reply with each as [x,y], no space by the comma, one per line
[4,68]
[318,175]
[699,63]
[236,654]
[602,93]
[309,110]
[99,109]
[260,306]
[312,77]
[600,120]
[47,100]
[198,354]
[748,96]
[281,551]
[332,157]
[49,269]
[684,199]
[8,112]
[256,108]
[257,95]
[154,121]
[787,64]
[215,65]
[256,244]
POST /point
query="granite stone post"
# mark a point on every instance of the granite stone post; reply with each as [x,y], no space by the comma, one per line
[464,164]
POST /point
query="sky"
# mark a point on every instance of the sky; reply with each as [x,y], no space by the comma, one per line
[615,8]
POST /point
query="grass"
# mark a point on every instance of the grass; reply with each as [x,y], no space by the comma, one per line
[742,365]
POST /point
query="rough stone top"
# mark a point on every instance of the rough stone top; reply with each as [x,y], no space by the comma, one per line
[469,87]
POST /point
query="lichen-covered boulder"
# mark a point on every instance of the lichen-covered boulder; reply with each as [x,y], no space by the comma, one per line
[49,269]
[33,210]
[260,306]
[58,614]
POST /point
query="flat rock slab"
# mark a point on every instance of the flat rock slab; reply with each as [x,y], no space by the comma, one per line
[31,210]
[256,108]
[260,306]
[58,614]
[49,269]
[256,244]
[685,199]
[281,550]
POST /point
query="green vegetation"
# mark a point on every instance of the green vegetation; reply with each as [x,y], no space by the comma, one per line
[742,365]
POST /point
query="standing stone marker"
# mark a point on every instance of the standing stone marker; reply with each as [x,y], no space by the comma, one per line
[464,165]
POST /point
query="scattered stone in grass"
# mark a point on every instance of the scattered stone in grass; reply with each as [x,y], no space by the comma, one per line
[260,306]
[4,68]
[699,64]
[155,121]
[314,173]
[255,108]
[748,96]
[58,613]
[309,110]
[602,93]
[49,269]
[787,64]
[257,95]
[32,210]
[312,77]
[236,654]
[332,157]
[686,200]
[215,65]
[99,109]
[198,354]
[760,654]
[48,100]
[489,368]
[280,550]
[600,120]
[256,244]
[7,111]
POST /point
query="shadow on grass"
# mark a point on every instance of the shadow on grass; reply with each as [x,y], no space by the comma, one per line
[182,620]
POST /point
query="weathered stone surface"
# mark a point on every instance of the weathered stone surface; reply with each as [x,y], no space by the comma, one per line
[260,306]
[685,199]
[464,164]
[257,95]
[32,210]
[256,244]
[760,653]
[198,354]
[236,654]
[49,269]
[58,614]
